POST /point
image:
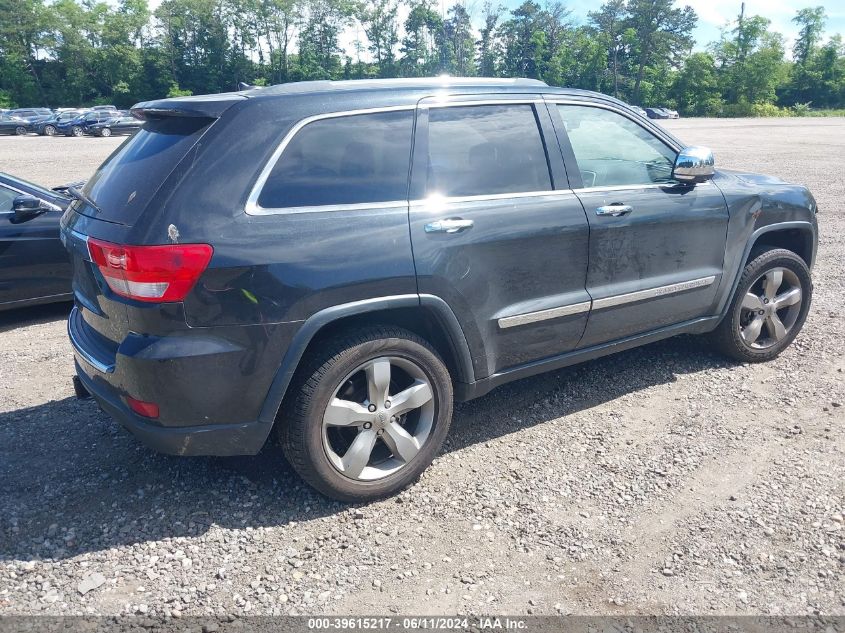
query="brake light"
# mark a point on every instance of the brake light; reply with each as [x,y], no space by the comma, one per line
[150,273]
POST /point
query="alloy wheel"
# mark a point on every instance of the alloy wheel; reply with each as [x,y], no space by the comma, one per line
[20,130]
[50,130]
[378,418]
[770,308]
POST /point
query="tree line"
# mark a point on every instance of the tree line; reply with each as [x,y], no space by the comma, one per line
[75,52]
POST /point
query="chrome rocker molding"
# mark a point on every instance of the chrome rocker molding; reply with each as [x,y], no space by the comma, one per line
[542,315]
[607,302]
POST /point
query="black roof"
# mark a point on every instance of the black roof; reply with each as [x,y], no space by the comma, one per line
[379,90]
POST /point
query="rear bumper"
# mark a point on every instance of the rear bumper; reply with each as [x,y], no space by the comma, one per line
[245,438]
[195,380]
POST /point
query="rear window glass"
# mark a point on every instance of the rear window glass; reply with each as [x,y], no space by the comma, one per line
[484,150]
[128,179]
[354,159]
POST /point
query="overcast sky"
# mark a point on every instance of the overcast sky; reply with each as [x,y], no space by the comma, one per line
[712,14]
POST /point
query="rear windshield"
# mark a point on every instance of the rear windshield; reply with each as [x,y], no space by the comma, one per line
[128,179]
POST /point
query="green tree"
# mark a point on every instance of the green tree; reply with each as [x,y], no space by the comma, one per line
[695,88]
[379,19]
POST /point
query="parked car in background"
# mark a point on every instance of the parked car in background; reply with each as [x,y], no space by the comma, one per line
[337,262]
[639,110]
[34,266]
[13,125]
[49,126]
[78,125]
[657,113]
[105,108]
[673,114]
[122,125]
[30,113]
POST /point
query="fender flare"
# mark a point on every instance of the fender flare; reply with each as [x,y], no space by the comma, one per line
[313,324]
[800,225]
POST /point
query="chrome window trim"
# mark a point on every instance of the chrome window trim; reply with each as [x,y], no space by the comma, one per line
[607,302]
[253,208]
[652,293]
[544,315]
[664,185]
[435,201]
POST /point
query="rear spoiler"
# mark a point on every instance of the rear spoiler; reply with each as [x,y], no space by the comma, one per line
[202,106]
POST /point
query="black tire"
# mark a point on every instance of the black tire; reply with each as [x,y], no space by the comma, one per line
[49,130]
[300,424]
[728,336]
[20,131]
[77,131]
[105,132]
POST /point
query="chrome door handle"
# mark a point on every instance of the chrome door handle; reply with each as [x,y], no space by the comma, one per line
[615,209]
[450,225]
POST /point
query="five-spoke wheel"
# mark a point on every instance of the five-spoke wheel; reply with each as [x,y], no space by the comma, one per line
[768,308]
[367,414]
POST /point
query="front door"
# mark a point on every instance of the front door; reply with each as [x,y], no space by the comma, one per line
[656,246]
[496,232]
[33,262]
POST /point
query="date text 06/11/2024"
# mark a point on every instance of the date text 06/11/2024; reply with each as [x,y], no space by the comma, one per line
[416,623]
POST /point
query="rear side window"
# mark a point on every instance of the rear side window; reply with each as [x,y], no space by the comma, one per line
[355,159]
[130,177]
[485,150]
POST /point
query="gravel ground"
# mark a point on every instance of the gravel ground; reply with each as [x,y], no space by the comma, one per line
[661,480]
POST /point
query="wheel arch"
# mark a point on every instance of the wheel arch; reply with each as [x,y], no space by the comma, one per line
[427,316]
[799,234]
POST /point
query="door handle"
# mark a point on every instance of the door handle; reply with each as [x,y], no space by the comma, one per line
[449,225]
[614,209]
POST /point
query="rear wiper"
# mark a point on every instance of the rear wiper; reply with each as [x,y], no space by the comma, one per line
[76,193]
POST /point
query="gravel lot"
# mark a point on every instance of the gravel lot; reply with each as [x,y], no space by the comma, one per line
[661,480]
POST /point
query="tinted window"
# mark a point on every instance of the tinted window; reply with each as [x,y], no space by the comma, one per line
[482,150]
[344,160]
[128,179]
[613,150]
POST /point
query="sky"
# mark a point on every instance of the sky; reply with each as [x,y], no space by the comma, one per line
[712,14]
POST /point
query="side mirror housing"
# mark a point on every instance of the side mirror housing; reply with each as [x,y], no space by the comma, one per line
[693,165]
[26,208]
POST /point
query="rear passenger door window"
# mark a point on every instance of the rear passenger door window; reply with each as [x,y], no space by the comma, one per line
[351,159]
[482,150]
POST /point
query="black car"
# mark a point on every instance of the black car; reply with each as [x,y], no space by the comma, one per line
[49,126]
[13,125]
[337,262]
[657,113]
[119,125]
[30,113]
[79,125]
[34,266]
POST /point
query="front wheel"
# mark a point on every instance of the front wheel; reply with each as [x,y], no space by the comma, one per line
[768,308]
[49,130]
[105,132]
[77,131]
[367,414]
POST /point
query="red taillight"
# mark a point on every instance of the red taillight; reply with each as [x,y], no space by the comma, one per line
[147,409]
[150,273]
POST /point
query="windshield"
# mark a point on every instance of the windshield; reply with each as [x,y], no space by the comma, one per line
[129,178]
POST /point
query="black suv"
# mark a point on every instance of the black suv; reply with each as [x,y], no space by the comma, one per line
[337,262]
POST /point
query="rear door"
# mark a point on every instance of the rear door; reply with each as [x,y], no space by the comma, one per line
[657,246]
[496,232]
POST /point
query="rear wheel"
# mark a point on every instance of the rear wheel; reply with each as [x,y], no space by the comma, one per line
[367,414]
[20,130]
[768,309]
[105,132]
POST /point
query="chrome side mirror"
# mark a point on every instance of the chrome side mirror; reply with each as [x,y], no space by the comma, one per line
[694,164]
